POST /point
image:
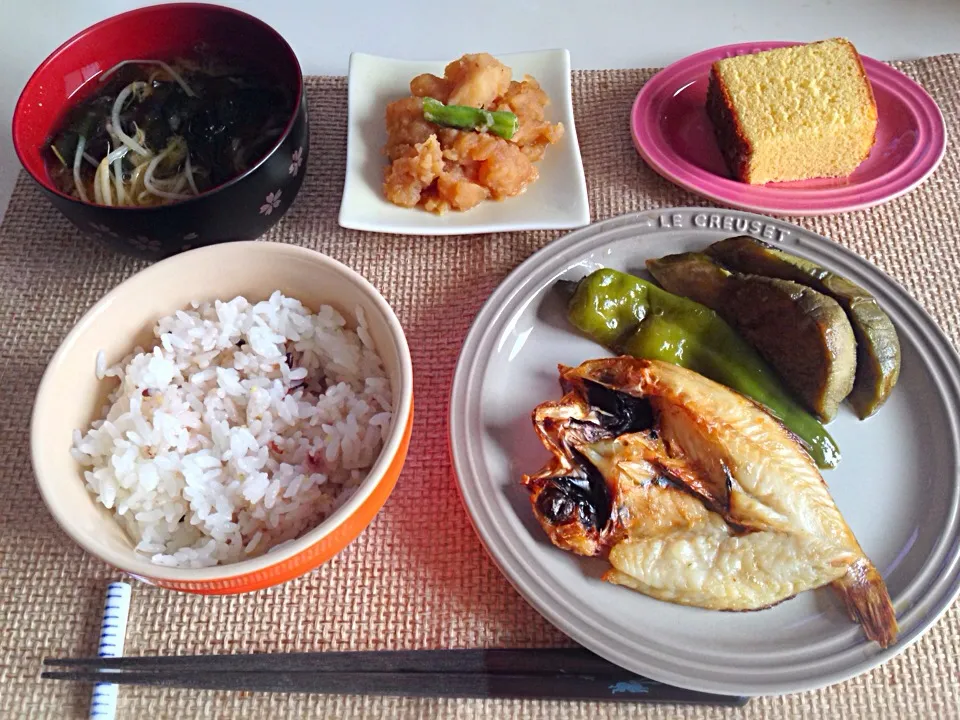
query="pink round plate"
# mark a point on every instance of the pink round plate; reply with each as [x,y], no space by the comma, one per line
[672,133]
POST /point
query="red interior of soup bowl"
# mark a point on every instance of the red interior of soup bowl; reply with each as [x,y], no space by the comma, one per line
[161,32]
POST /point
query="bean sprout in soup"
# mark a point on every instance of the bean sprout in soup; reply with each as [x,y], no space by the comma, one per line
[155,132]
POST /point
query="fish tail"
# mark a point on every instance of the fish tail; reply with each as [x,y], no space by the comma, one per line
[865,595]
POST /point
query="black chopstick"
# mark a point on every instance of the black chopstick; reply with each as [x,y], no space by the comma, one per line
[618,688]
[512,661]
[555,673]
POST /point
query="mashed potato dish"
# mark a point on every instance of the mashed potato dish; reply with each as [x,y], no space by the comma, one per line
[472,135]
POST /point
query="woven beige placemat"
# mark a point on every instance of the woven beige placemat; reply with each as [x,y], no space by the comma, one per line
[418,577]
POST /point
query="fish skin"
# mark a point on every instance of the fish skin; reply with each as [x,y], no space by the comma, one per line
[682,552]
[768,527]
[555,424]
[648,505]
[720,571]
[640,498]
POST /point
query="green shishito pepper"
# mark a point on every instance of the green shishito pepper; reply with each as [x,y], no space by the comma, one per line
[631,316]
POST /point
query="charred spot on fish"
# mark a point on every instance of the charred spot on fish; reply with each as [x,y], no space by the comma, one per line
[619,412]
[567,499]
[577,482]
[589,432]
[555,505]
[594,485]
[730,481]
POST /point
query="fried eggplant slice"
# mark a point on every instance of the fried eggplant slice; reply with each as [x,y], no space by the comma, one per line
[805,335]
[878,346]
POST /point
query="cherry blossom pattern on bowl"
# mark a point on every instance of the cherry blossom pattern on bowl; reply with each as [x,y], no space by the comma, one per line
[271,202]
[296,161]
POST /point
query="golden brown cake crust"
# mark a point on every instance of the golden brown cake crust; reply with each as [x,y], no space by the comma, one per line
[873,99]
[734,145]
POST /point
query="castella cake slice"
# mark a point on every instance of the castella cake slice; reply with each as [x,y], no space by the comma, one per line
[793,113]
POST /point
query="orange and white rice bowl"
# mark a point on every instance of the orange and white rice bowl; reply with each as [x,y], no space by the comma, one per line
[227,419]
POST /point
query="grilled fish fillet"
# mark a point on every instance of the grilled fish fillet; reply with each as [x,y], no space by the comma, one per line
[694,494]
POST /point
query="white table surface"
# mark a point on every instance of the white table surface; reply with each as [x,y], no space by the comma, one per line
[598,33]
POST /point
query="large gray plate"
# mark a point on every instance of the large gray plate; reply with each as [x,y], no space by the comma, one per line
[896,486]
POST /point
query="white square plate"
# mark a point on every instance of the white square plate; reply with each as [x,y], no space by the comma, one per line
[558,200]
